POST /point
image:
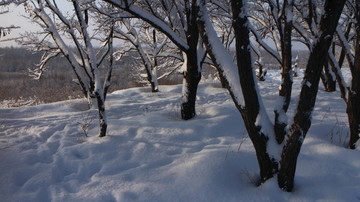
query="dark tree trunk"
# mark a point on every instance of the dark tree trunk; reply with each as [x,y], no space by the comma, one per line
[302,118]
[336,69]
[323,79]
[192,75]
[286,85]
[102,115]
[191,80]
[262,73]
[353,111]
[154,85]
[330,82]
[148,67]
[224,83]
[268,166]
[353,104]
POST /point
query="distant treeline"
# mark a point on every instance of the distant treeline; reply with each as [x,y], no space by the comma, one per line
[17,59]
[58,81]
[14,59]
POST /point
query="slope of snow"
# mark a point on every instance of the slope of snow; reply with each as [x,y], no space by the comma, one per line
[150,154]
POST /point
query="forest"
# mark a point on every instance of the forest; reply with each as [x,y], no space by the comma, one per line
[212,53]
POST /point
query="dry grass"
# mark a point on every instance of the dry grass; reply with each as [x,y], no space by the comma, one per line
[19,88]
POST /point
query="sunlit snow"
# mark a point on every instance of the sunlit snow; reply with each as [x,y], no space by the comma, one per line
[150,154]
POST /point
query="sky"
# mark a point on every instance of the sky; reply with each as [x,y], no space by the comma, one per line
[15,16]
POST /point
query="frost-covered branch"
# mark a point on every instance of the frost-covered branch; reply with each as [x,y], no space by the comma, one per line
[151,19]
[265,45]
[45,58]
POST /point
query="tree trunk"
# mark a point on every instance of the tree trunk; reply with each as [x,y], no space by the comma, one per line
[148,67]
[268,166]
[102,114]
[339,79]
[353,111]
[192,75]
[154,80]
[190,84]
[330,85]
[249,109]
[286,85]
[262,73]
[353,104]
[302,118]
[224,83]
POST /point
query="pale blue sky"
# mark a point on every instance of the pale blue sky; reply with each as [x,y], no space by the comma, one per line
[14,17]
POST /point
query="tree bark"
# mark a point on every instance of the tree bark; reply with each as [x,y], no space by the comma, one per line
[268,166]
[330,84]
[302,118]
[353,104]
[353,111]
[150,76]
[154,82]
[191,80]
[286,84]
[102,114]
[339,79]
[192,75]
[262,73]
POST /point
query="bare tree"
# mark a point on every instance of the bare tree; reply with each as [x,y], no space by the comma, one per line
[154,48]
[273,20]
[177,20]
[246,97]
[306,23]
[59,27]
[348,35]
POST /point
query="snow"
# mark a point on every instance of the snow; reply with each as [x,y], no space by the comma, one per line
[150,154]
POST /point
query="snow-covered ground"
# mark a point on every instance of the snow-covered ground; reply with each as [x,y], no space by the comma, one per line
[150,154]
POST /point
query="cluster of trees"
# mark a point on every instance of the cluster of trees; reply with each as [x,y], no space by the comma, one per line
[196,32]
